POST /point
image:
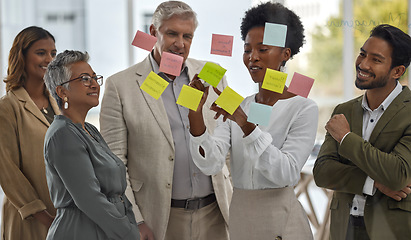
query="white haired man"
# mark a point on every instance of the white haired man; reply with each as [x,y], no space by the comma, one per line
[172,198]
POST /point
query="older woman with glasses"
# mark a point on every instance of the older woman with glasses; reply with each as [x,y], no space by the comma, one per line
[85,179]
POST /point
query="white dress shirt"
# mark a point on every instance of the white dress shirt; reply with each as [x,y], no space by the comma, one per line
[271,156]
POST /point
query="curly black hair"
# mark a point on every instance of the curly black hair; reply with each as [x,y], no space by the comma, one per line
[275,13]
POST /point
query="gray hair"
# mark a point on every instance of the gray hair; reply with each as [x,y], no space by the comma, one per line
[59,71]
[166,10]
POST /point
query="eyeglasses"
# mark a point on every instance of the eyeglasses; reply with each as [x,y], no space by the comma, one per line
[86,80]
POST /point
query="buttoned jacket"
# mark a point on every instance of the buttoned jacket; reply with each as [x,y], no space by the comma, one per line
[136,128]
[386,158]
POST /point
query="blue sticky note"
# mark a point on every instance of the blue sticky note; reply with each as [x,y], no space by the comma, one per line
[259,114]
[275,34]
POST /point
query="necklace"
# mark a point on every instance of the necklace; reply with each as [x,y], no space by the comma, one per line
[44,110]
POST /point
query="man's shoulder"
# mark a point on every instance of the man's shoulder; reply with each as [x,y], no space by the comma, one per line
[405,94]
[195,61]
[131,71]
[191,62]
[349,104]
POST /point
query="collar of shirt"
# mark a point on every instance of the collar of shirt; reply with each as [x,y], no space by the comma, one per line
[156,68]
[384,105]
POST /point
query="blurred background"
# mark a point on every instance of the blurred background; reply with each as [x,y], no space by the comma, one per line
[334,29]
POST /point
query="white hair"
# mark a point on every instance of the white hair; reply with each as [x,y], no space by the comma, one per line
[168,9]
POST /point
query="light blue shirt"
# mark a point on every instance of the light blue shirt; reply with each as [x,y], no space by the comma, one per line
[188,180]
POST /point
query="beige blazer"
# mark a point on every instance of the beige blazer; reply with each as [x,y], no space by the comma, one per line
[136,127]
[22,171]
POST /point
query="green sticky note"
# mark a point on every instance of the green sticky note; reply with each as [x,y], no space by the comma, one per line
[189,97]
[154,85]
[274,80]
[212,73]
[229,100]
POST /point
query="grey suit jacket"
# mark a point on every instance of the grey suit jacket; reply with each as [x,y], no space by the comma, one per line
[386,158]
[136,128]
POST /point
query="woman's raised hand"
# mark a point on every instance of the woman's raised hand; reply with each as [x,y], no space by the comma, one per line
[238,116]
[197,84]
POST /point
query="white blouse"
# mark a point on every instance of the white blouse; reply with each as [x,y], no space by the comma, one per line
[271,156]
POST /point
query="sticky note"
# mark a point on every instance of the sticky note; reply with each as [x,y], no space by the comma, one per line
[154,85]
[301,85]
[212,73]
[171,63]
[274,80]
[275,34]
[144,41]
[222,45]
[259,114]
[229,100]
[189,97]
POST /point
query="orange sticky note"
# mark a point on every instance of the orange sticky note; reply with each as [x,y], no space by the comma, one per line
[189,97]
[301,85]
[222,45]
[144,41]
[171,63]
[229,100]
[274,80]
[154,85]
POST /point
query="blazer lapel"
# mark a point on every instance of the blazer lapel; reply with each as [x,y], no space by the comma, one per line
[192,70]
[357,115]
[156,106]
[29,105]
[396,105]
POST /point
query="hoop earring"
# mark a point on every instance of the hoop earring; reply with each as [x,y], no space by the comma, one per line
[283,69]
[66,105]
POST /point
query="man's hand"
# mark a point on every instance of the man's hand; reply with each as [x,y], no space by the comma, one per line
[145,232]
[338,126]
[396,195]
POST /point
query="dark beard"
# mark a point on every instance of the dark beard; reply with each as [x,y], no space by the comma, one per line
[377,83]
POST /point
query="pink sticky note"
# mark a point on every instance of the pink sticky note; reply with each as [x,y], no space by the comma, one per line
[144,41]
[301,85]
[171,64]
[222,45]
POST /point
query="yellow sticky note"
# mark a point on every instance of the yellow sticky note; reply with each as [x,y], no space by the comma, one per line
[189,97]
[229,100]
[154,85]
[212,73]
[274,80]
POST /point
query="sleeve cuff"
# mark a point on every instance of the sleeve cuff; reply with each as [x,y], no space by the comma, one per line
[369,188]
[32,208]
[199,139]
[254,135]
[344,137]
